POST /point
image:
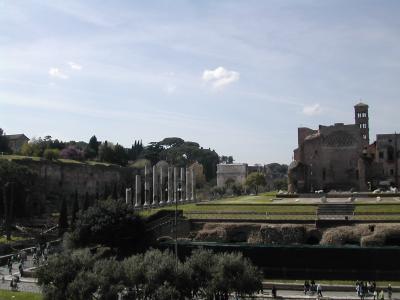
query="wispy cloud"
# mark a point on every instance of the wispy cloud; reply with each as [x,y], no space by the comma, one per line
[220,77]
[74,66]
[312,110]
[56,72]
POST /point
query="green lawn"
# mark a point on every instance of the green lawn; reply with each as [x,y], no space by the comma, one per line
[205,211]
[377,208]
[10,295]
[3,239]
[19,157]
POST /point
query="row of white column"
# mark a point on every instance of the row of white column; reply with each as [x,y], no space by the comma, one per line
[181,187]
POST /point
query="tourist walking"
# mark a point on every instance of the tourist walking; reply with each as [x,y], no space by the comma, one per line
[319,290]
[273,291]
[306,287]
[381,295]
[389,291]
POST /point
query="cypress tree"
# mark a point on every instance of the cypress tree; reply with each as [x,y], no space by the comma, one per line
[63,218]
[75,209]
[86,203]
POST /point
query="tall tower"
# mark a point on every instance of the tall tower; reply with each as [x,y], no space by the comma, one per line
[361,119]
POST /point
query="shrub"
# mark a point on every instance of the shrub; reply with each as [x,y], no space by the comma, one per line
[51,154]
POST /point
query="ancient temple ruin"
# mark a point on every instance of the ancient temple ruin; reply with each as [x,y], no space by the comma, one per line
[340,157]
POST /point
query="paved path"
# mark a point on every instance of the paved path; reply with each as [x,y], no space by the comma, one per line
[26,284]
[282,294]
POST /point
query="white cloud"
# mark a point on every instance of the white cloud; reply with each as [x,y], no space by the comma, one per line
[74,66]
[220,77]
[312,110]
[55,72]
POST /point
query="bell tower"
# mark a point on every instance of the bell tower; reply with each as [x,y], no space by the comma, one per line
[361,119]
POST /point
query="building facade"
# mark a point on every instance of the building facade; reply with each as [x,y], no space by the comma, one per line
[236,173]
[339,157]
[16,141]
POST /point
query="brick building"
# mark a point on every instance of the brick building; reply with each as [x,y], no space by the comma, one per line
[339,157]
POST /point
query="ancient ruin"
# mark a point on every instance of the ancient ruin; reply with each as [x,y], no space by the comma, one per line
[339,157]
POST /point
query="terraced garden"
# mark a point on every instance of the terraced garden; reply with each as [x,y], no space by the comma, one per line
[262,207]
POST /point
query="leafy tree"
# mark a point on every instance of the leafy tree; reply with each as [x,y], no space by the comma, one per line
[234,274]
[226,159]
[63,218]
[202,265]
[110,223]
[237,189]
[218,191]
[51,154]
[110,277]
[106,152]
[255,180]
[61,277]
[280,184]
[4,142]
[154,275]
[33,148]
[120,156]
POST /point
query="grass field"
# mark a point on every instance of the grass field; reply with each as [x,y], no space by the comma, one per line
[378,208]
[10,295]
[3,240]
[251,207]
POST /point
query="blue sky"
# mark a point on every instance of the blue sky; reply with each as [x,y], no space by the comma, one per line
[236,76]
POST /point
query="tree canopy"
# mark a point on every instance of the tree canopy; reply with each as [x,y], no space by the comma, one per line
[255,180]
[109,223]
[152,275]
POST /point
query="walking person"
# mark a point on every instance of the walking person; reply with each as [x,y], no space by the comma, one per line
[319,290]
[381,295]
[9,265]
[375,295]
[389,291]
[273,291]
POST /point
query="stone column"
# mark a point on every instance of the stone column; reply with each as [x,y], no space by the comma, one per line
[193,185]
[154,186]
[161,187]
[182,184]
[187,185]
[175,184]
[128,195]
[138,198]
[169,185]
[145,186]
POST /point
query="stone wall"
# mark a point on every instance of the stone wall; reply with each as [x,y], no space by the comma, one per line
[58,179]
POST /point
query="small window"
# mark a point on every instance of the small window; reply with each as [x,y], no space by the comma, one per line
[391,172]
[323,174]
[364,136]
[390,153]
[381,154]
[390,140]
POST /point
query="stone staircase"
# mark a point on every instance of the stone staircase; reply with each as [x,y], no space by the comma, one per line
[335,210]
